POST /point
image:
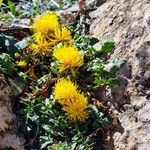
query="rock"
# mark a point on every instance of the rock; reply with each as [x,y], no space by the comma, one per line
[23,23]
[135,124]
[74,8]
[8,128]
[144,115]
[94,3]
[100,2]
[147,75]
[67,17]
[146,20]
[127,24]
[90,5]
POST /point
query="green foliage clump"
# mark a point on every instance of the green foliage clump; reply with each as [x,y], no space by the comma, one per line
[42,118]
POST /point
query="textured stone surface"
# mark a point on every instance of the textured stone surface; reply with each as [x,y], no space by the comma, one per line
[8,130]
[66,17]
[127,23]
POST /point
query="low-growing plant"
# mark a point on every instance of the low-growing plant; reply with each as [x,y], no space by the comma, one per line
[62,72]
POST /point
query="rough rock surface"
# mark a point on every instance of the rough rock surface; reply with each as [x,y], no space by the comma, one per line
[127,23]
[8,135]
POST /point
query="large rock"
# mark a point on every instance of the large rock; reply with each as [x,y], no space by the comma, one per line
[127,23]
[8,125]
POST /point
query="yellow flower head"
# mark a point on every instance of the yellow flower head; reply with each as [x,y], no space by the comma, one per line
[64,90]
[22,64]
[45,23]
[76,108]
[40,46]
[68,57]
[62,34]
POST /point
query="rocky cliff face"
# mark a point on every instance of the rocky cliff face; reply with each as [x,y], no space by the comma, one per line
[127,23]
[9,140]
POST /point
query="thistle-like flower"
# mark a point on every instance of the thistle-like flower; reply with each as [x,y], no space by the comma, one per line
[68,57]
[21,64]
[62,34]
[45,23]
[40,46]
[65,90]
[76,108]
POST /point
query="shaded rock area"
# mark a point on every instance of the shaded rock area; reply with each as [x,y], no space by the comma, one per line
[9,140]
[127,23]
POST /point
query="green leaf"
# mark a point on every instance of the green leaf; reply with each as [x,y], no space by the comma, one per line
[114,64]
[1,1]
[94,108]
[6,65]
[34,118]
[102,119]
[7,45]
[54,70]
[12,8]
[112,82]
[59,146]
[17,85]
[107,47]
[23,43]
[100,82]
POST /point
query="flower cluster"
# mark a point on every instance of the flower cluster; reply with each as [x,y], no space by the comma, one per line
[48,33]
[74,103]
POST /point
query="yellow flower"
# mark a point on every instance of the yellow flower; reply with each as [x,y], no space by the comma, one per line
[40,46]
[64,90]
[45,23]
[68,57]
[22,64]
[76,108]
[62,34]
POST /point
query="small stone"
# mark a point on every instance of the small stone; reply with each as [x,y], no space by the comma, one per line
[148,92]
[143,114]
[120,19]
[67,17]
[139,104]
[26,22]
[140,87]
[147,75]
[23,23]
[74,8]
[146,21]
[91,4]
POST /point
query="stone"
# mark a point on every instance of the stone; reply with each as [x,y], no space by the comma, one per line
[9,138]
[74,8]
[127,24]
[100,2]
[144,115]
[23,23]
[146,20]
[66,17]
